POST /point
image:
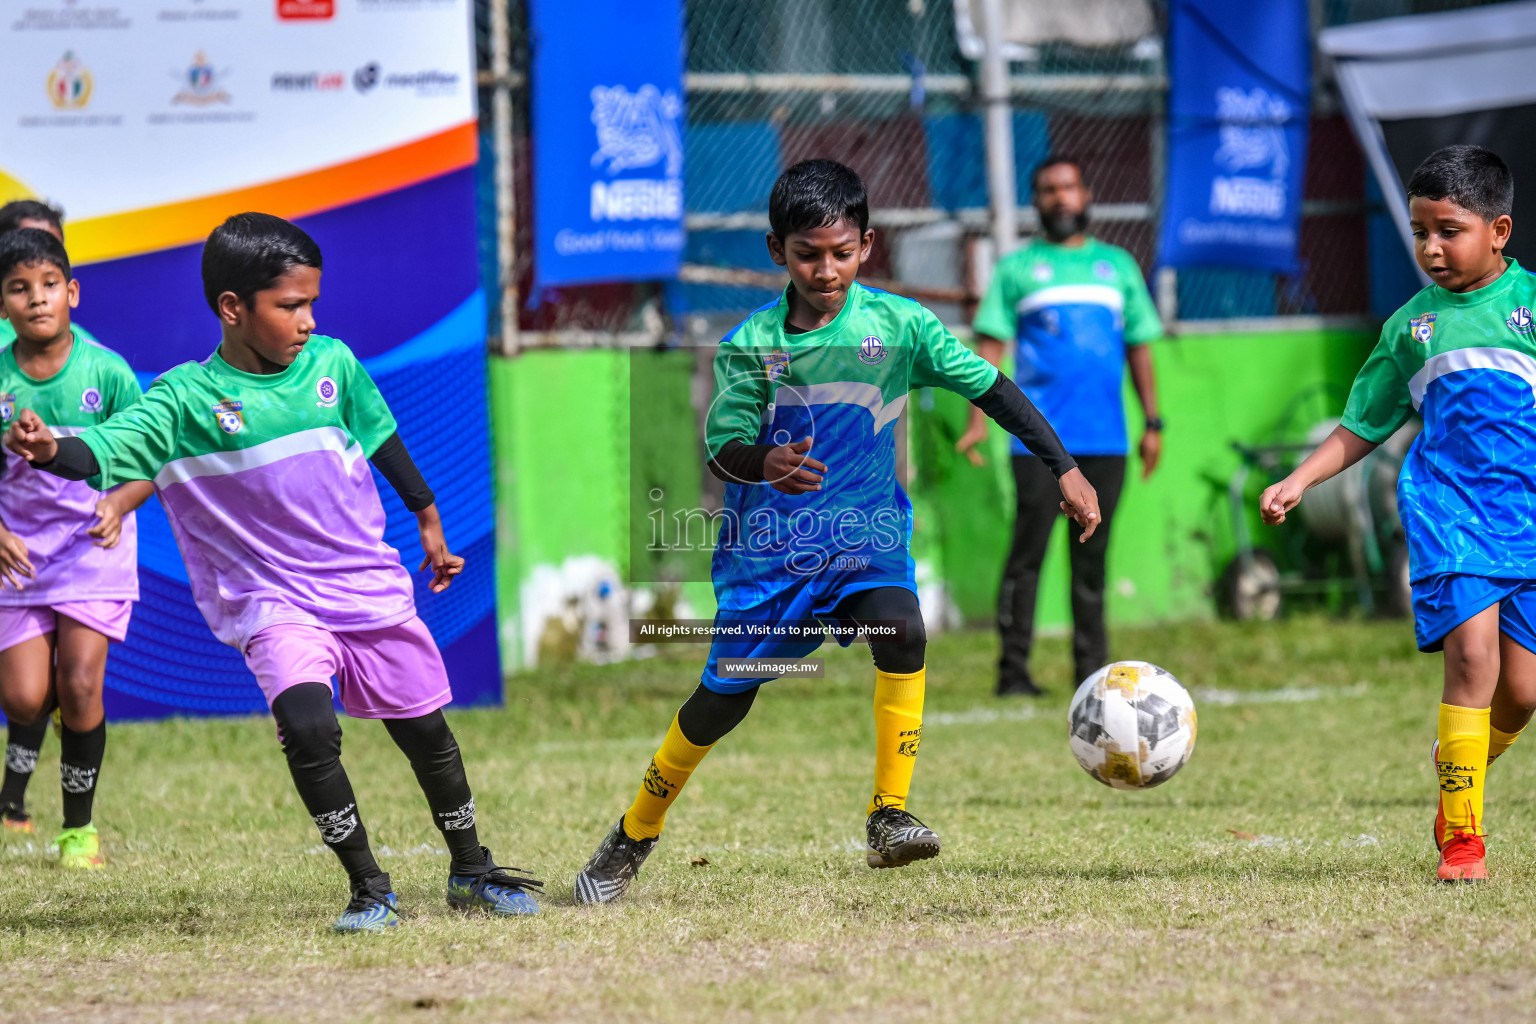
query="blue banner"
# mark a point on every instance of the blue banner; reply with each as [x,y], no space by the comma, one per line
[1240,77]
[608,156]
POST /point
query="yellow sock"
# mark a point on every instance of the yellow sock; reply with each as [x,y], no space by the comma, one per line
[674,762]
[1500,741]
[898,730]
[1461,765]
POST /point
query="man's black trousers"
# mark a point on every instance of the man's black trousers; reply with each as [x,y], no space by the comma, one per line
[1039,506]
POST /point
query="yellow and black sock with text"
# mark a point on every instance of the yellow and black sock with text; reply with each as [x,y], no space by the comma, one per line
[898,731]
[674,762]
[1461,766]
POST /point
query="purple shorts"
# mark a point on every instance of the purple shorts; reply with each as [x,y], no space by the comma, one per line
[20,624]
[394,672]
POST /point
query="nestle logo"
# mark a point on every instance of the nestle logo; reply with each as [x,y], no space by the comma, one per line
[294,10]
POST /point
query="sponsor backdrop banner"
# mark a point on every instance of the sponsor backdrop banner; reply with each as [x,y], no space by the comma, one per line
[1239,96]
[608,113]
[150,122]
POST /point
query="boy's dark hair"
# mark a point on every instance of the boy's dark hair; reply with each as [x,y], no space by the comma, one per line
[16,211]
[817,194]
[249,252]
[1055,160]
[1472,177]
[27,247]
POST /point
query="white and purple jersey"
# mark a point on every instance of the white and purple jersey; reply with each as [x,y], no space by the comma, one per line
[266,483]
[50,514]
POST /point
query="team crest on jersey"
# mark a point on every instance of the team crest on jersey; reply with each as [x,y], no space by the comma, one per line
[227,412]
[7,406]
[1103,270]
[1422,328]
[1042,272]
[1520,320]
[328,391]
[90,400]
[871,350]
[776,364]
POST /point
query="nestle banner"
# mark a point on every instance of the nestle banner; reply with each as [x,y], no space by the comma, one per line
[608,162]
[1239,93]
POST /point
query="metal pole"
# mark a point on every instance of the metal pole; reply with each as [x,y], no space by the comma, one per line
[1000,169]
[506,200]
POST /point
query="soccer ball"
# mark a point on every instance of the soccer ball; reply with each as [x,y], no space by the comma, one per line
[1132,725]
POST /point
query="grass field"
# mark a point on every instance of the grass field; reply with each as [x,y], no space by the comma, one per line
[1284,875]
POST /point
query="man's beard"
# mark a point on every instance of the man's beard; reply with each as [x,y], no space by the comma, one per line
[1060,226]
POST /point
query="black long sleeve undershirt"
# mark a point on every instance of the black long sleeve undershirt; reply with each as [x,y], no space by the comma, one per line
[395,465]
[1015,413]
[740,463]
[76,461]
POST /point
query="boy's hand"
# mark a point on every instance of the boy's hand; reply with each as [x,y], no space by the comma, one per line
[14,562]
[1081,503]
[109,526]
[29,438]
[445,564]
[789,469]
[1280,498]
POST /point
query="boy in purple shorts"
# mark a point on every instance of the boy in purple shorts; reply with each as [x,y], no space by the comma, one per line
[68,551]
[24,740]
[260,456]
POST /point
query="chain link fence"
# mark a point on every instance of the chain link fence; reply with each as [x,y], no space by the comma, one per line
[883,85]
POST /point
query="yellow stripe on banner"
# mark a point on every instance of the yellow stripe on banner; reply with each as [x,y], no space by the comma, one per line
[164,227]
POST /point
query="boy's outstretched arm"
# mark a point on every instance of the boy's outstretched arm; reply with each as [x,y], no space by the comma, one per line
[394,464]
[1339,450]
[68,457]
[1009,406]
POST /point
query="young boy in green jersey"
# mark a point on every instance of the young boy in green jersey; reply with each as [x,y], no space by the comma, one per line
[24,740]
[1462,354]
[68,551]
[31,213]
[805,539]
[260,458]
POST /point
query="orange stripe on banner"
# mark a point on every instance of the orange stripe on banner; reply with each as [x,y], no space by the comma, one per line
[164,227]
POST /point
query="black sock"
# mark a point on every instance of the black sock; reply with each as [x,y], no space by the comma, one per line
[311,738]
[80,756]
[434,755]
[23,744]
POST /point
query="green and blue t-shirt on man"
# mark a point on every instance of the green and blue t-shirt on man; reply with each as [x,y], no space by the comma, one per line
[1076,311]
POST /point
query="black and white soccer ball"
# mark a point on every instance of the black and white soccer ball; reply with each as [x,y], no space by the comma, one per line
[1132,725]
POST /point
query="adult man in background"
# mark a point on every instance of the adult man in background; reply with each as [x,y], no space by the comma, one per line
[1077,311]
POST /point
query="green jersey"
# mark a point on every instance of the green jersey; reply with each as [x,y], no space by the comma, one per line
[50,514]
[1467,362]
[843,384]
[265,481]
[1071,311]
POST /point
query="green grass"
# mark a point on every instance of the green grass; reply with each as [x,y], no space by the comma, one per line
[1055,898]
